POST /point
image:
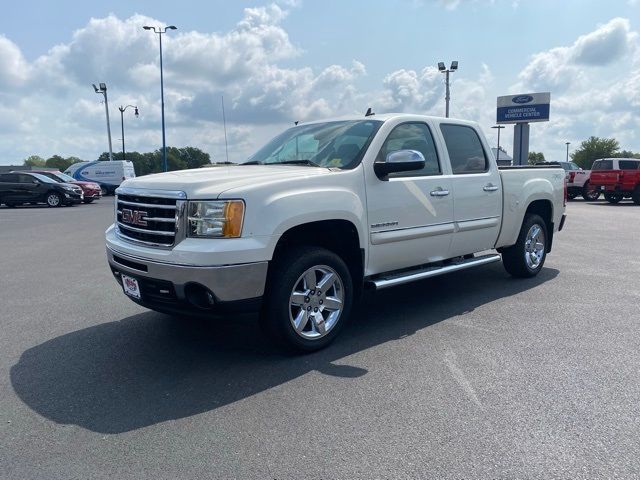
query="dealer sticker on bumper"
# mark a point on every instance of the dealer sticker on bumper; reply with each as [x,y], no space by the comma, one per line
[130,286]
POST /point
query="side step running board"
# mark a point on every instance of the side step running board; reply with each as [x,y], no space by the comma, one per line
[391,280]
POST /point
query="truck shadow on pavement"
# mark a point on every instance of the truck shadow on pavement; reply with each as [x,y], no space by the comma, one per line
[149,368]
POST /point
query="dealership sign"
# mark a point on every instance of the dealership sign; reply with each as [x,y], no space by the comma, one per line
[524,108]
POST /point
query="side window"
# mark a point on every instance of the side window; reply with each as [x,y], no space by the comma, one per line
[25,178]
[628,164]
[465,149]
[412,136]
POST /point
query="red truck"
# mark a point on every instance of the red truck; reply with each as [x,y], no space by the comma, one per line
[617,178]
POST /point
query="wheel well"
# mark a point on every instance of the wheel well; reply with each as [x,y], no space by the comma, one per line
[338,236]
[544,208]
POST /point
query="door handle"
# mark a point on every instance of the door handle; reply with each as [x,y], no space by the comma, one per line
[490,188]
[439,193]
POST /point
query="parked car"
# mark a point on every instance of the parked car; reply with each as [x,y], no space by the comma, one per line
[106,174]
[90,190]
[19,188]
[324,210]
[578,183]
[617,178]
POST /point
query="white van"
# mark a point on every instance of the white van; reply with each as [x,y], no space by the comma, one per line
[108,174]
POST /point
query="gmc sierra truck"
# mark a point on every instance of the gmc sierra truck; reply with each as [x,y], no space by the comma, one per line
[325,210]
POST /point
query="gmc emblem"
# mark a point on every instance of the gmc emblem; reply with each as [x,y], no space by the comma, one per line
[134,217]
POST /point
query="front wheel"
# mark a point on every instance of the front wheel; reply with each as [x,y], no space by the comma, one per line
[54,199]
[613,197]
[589,193]
[307,299]
[88,200]
[527,256]
[104,191]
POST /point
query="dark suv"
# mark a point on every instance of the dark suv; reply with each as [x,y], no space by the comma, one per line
[25,187]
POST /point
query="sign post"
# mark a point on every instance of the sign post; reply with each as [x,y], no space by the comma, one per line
[521,110]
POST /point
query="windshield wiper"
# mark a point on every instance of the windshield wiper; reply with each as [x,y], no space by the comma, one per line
[300,162]
[253,162]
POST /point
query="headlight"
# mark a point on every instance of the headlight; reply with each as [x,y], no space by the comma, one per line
[215,219]
[69,188]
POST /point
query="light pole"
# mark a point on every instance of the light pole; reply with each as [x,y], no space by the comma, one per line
[122,109]
[499,127]
[567,144]
[103,91]
[446,71]
[161,31]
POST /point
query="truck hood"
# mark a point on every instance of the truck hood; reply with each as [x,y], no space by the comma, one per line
[211,182]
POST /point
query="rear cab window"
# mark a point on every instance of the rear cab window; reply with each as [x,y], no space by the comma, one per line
[602,165]
[465,149]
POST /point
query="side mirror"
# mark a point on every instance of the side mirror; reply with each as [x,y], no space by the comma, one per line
[399,161]
[36,182]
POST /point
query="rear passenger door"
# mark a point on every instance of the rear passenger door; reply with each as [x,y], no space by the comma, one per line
[477,190]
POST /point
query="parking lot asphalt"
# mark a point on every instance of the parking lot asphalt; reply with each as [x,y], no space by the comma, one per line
[470,375]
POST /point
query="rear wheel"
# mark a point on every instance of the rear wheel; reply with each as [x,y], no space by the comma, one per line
[613,197]
[54,199]
[307,299]
[589,193]
[571,195]
[527,256]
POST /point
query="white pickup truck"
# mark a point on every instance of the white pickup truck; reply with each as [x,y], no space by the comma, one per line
[325,210]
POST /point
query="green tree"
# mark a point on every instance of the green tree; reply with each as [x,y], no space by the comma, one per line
[594,148]
[535,157]
[58,163]
[151,162]
[34,161]
[627,154]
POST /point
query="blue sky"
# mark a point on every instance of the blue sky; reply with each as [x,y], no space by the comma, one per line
[306,59]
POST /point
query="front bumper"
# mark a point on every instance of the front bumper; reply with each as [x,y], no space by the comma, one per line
[72,197]
[92,194]
[165,285]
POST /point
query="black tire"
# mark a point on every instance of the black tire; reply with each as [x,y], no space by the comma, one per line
[88,200]
[636,195]
[613,197]
[571,195]
[104,190]
[590,195]
[513,258]
[54,200]
[285,274]
[10,205]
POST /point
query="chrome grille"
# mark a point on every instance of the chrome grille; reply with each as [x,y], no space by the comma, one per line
[150,217]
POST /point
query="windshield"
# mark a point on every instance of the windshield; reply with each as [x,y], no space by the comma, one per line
[338,144]
[43,178]
[63,177]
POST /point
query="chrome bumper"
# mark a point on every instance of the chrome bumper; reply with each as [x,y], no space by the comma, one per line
[228,283]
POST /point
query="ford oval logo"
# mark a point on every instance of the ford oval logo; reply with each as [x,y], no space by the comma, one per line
[522,99]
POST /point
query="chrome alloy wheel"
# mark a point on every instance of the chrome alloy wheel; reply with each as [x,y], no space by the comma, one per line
[534,246]
[53,199]
[316,302]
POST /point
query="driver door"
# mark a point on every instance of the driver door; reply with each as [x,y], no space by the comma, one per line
[410,213]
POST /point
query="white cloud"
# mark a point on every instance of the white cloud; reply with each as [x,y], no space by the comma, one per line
[48,106]
[595,88]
